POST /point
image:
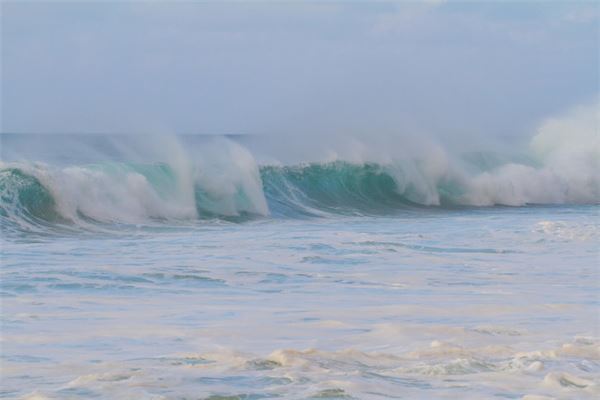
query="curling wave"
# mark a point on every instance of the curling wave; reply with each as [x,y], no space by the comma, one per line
[167,179]
[40,195]
[135,193]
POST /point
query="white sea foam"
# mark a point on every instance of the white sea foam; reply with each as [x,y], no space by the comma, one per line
[134,193]
[568,149]
[212,309]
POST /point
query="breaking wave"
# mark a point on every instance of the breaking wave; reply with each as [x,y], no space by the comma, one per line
[33,195]
[221,179]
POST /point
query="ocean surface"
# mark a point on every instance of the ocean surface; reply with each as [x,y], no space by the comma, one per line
[203,268]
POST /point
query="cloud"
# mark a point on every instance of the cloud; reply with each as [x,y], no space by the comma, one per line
[404,16]
[444,68]
[589,14]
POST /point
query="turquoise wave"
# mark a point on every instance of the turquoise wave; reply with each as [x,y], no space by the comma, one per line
[336,188]
[39,195]
[289,191]
[22,196]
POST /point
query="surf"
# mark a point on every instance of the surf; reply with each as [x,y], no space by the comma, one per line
[42,195]
[82,180]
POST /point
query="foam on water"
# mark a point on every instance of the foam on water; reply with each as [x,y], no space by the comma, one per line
[380,267]
[473,303]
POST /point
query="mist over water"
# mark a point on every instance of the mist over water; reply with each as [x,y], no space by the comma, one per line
[137,179]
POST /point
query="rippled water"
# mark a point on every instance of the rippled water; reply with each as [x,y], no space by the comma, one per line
[474,303]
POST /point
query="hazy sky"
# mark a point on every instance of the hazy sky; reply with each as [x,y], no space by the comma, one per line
[291,67]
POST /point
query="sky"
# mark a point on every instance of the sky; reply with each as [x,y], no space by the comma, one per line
[435,67]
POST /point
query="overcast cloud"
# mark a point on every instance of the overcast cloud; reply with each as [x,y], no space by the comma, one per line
[442,68]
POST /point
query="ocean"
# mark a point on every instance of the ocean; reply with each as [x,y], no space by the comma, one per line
[203,268]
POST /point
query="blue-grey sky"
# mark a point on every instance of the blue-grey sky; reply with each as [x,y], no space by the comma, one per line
[438,67]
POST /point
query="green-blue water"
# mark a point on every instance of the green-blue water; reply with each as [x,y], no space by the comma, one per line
[211,275]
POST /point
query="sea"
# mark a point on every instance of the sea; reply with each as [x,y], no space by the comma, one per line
[214,267]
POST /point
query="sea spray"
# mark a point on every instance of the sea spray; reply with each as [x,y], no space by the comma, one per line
[135,179]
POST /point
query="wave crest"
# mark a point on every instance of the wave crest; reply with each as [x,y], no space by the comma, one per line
[220,178]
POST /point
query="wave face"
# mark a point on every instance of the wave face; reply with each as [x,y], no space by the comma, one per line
[155,179]
[132,193]
[25,202]
[336,188]
[40,195]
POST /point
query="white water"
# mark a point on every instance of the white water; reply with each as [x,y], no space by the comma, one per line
[560,166]
[433,304]
[148,301]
